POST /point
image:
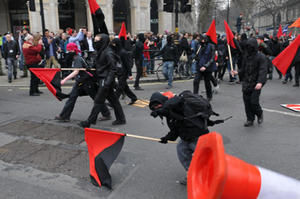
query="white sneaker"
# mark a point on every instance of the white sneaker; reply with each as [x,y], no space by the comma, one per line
[216,89]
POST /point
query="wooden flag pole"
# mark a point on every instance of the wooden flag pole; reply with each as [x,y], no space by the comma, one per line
[148,138]
[230,59]
[76,69]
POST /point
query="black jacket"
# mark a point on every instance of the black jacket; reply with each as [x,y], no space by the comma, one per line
[172,109]
[184,46]
[139,48]
[169,52]
[10,49]
[254,67]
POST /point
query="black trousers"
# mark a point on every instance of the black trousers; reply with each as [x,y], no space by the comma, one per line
[297,72]
[34,81]
[123,87]
[252,106]
[139,72]
[75,93]
[104,93]
[207,76]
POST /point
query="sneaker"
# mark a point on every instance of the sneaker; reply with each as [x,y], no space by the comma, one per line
[9,81]
[138,88]
[84,124]
[260,119]
[284,81]
[248,123]
[105,118]
[296,85]
[23,76]
[40,92]
[169,87]
[59,118]
[216,89]
[118,122]
[182,182]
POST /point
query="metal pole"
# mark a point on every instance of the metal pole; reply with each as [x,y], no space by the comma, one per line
[42,16]
[228,11]
[176,15]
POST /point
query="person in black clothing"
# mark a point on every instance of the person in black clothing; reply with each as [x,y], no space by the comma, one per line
[239,22]
[264,47]
[222,58]
[187,129]
[11,53]
[124,73]
[296,63]
[107,62]
[205,66]
[186,48]
[85,84]
[138,55]
[169,54]
[253,76]
[276,49]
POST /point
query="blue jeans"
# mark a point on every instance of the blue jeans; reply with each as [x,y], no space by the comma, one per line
[185,152]
[168,69]
[12,67]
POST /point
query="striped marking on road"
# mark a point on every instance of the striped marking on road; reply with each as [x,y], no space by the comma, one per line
[281,112]
[141,103]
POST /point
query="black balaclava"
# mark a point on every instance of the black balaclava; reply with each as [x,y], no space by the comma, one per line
[169,39]
[141,37]
[252,47]
[102,43]
[116,45]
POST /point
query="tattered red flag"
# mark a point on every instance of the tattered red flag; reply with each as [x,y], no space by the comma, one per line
[279,32]
[51,78]
[123,31]
[229,35]
[286,57]
[290,34]
[98,18]
[211,32]
[103,147]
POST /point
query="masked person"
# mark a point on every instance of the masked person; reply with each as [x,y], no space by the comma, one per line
[85,84]
[187,117]
[106,64]
[253,76]
[124,72]
[205,66]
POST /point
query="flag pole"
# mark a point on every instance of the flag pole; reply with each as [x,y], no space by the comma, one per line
[148,138]
[230,59]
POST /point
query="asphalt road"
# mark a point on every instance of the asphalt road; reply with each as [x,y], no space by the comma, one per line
[41,158]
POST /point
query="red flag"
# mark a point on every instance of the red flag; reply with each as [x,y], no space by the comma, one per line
[229,35]
[285,58]
[98,18]
[290,34]
[279,33]
[103,147]
[211,32]
[123,31]
[51,78]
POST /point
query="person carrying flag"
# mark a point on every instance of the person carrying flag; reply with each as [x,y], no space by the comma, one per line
[253,76]
[85,84]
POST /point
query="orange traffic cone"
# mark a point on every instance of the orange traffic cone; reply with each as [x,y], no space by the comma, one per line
[213,174]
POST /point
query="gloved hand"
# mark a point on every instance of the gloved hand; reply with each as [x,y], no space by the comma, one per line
[163,140]
[219,121]
[154,114]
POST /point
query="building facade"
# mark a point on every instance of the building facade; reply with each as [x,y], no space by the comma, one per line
[285,12]
[139,15]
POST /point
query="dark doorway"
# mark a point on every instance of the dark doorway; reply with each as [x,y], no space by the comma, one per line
[18,14]
[66,14]
[121,11]
[154,16]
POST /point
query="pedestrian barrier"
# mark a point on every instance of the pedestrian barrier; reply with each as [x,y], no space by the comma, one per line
[213,174]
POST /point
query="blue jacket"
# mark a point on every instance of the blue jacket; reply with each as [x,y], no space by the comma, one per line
[206,58]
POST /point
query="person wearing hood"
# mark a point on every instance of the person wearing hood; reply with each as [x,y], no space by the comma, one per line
[106,64]
[169,54]
[174,109]
[123,73]
[205,66]
[138,54]
[253,76]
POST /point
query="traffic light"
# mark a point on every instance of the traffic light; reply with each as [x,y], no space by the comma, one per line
[168,5]
[32,5]
[185,6]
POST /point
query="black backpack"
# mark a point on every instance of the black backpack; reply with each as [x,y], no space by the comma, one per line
[195,108]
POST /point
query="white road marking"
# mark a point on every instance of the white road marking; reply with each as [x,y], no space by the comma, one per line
[281,112]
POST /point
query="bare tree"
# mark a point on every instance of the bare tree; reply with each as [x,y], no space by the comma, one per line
[205,8]
[272,7]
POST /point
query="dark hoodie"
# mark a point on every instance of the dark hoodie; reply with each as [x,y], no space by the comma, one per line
[169,51]
[254,67]
[173,110]
[139,47]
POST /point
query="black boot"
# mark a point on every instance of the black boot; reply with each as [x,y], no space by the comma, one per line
[248,123]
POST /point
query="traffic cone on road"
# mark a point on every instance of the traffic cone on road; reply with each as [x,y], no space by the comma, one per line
[213,174]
